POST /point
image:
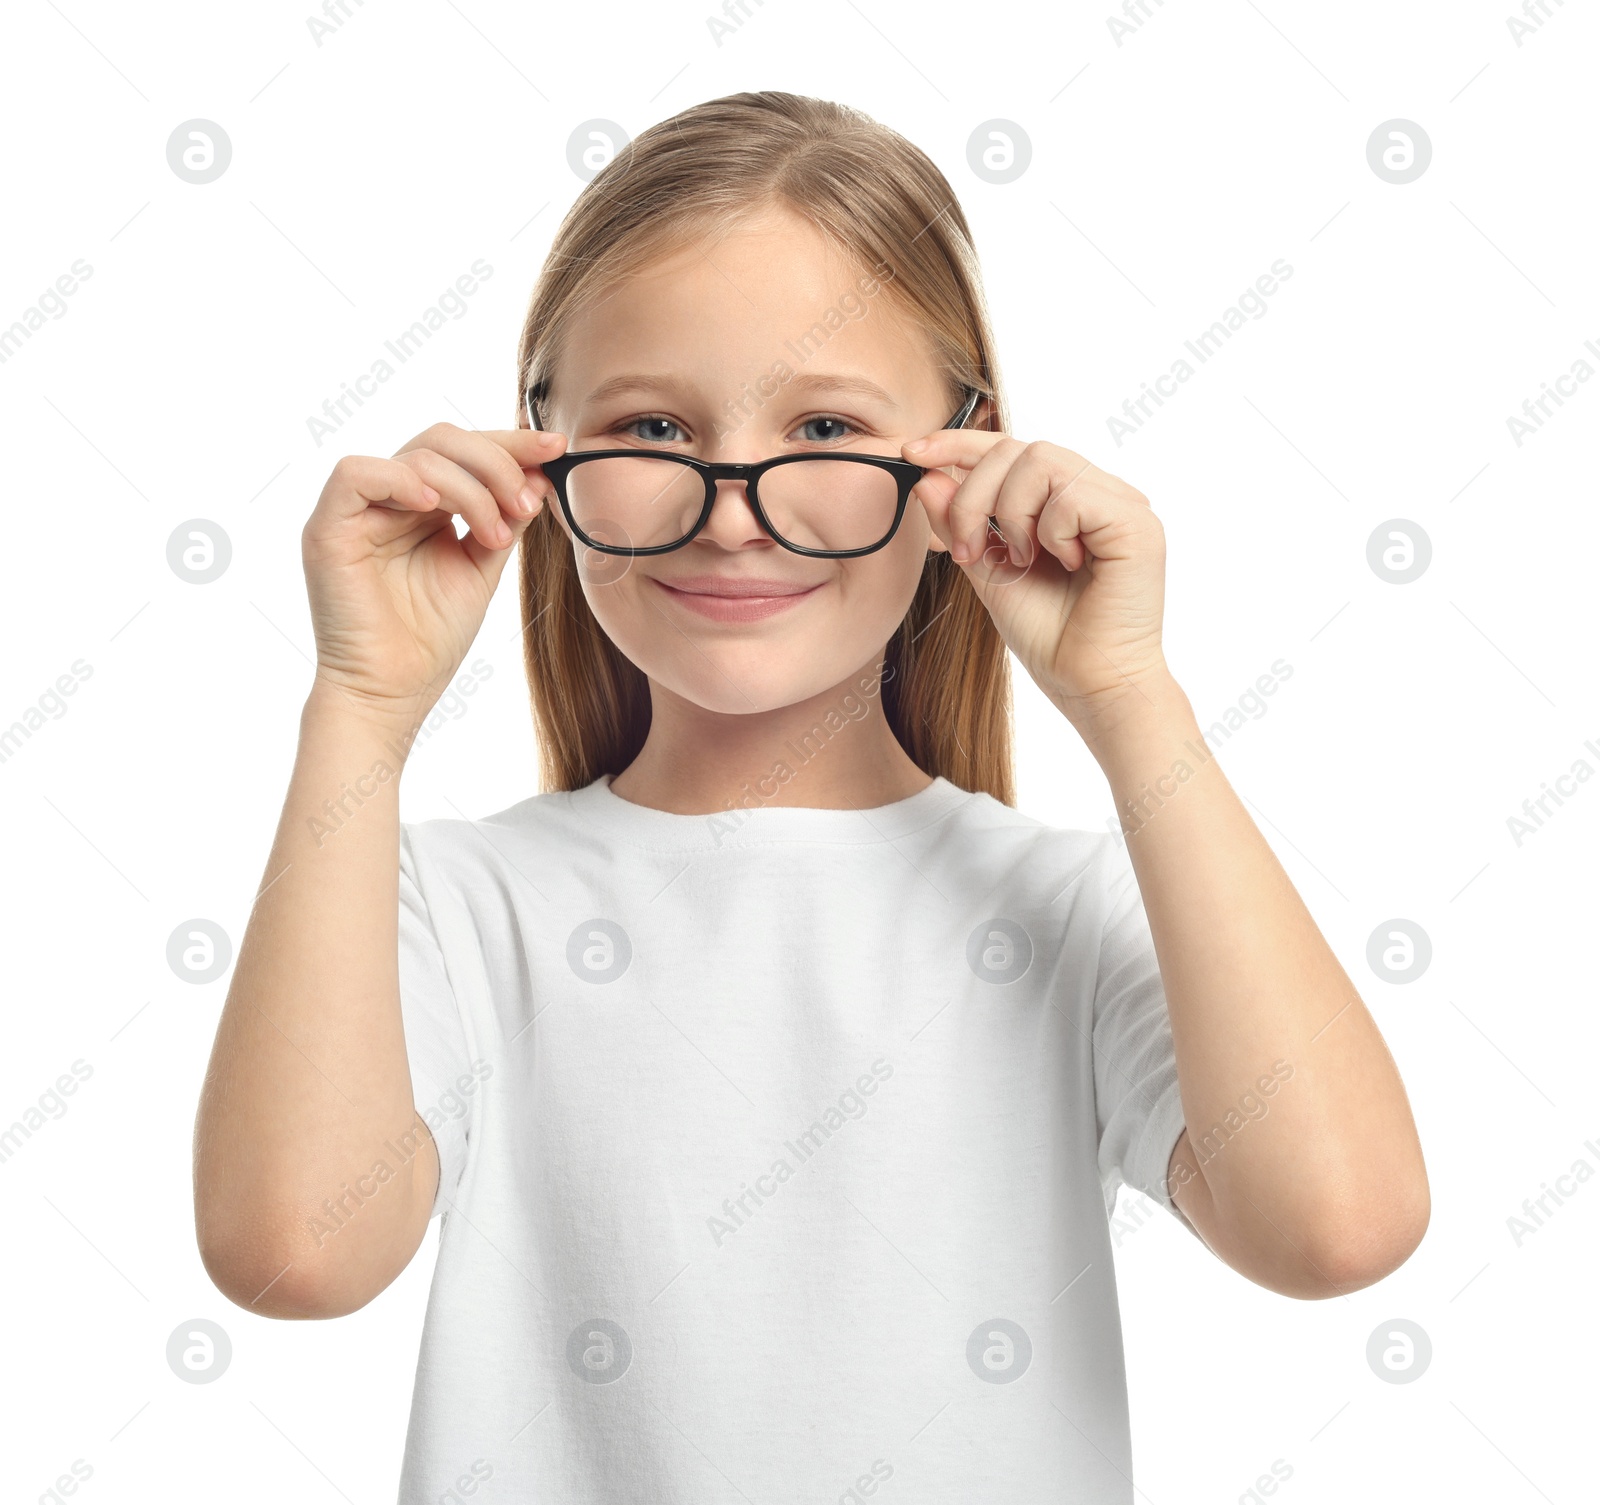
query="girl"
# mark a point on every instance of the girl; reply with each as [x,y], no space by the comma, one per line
[772,1074]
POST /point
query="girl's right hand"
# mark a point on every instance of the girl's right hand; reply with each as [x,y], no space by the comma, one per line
[396,597]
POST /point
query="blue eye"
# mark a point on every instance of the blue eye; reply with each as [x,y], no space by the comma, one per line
[660,438]
[838,423]
[655,429]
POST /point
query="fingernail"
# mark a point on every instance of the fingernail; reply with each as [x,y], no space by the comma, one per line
[525,501]
[959,551]
[916,446]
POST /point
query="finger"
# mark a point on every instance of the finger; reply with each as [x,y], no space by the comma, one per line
[964,448]
[529,449]
[462,492]
[499,459]
[1024,489]
[934,491]
[1041,473]
[361,481]
[974,502]
[960,447]
[1091,519]
[529,446]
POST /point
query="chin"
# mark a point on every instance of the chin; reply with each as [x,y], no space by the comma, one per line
[742,678]
[751,678]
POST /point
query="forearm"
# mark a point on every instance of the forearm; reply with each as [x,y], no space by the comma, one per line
[308,1085]
[1298,1123]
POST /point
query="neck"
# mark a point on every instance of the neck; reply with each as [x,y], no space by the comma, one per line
[835,751]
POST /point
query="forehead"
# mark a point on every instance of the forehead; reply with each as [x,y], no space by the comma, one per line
[729,305]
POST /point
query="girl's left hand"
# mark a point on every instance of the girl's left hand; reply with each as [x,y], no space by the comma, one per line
[1082,610]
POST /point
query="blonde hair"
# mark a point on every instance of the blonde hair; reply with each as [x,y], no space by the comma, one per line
[946,682]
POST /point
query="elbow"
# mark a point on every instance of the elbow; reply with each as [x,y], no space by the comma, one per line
[263,1272]
[1323,1237]
[280,1253]
[1370,1239]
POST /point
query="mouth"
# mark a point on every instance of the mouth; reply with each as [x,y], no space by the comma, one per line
[736,598]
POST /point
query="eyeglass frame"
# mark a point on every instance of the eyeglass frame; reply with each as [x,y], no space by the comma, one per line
[749,472]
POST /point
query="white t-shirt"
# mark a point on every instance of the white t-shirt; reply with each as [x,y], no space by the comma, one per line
[777,1151]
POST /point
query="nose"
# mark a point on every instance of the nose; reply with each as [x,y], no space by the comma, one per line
[733,523]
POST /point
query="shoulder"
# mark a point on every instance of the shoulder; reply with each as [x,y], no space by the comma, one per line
[463,845]
[1030,858]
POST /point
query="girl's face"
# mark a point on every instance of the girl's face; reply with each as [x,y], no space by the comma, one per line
[674,360]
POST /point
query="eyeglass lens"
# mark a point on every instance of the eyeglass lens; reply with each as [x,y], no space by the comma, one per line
[650,501]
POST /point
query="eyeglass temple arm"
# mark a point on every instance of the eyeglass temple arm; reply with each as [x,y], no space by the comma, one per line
[962,414]
[958,420]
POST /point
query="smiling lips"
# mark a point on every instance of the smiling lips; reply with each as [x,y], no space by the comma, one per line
[736,598]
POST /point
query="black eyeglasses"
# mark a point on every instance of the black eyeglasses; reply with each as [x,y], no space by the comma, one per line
[827,506]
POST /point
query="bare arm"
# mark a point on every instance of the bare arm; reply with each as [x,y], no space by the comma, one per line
[314,1176]
[308,1081]
[1325,1190]
[1300,1165]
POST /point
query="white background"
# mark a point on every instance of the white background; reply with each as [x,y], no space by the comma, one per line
[1167,174]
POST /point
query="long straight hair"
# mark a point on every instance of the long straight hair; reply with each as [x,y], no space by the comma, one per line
[946,681]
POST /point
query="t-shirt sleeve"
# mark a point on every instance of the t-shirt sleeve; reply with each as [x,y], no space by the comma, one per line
[436,1042]
[1138,1112]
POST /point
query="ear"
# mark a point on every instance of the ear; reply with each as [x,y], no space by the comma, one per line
[985,416]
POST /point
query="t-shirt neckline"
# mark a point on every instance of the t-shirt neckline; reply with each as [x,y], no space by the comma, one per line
[608,812]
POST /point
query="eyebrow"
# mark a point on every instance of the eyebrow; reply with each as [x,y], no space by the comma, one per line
[805,381]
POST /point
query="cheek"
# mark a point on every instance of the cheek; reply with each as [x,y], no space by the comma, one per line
[907,556]
[874,594]
[617,598]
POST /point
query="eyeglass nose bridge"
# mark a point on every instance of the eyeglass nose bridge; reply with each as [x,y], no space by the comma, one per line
[746,473]
[732,470]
